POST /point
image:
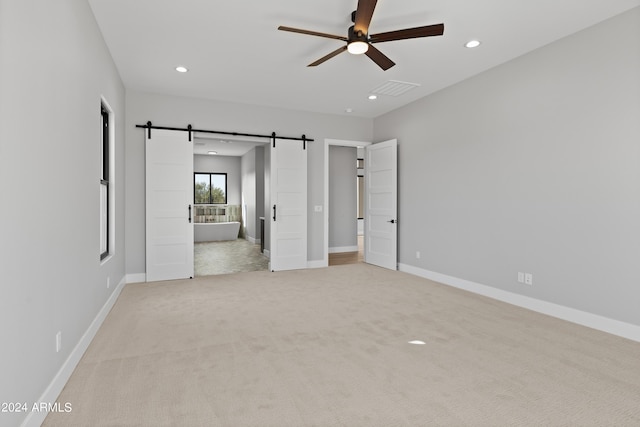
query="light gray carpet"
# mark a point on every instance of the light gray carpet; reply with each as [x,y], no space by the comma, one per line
[231,256]
[329,347]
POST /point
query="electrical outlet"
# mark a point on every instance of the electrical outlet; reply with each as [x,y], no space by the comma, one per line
[528,278]
[417,254]
[58,341]
[520,277]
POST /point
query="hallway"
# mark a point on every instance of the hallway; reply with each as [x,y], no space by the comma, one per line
[343,258]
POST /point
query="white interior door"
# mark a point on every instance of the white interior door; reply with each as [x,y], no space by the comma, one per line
[288,214]
[381,195]
[169,196]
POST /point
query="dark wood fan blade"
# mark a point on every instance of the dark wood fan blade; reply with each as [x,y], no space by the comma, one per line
[327,57]
[364,13]
[409,33]
[311,33]
[379,58]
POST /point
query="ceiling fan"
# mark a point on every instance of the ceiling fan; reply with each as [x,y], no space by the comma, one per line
[359,40]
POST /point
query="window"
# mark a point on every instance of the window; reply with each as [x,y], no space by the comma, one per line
[104,183]
[210,188]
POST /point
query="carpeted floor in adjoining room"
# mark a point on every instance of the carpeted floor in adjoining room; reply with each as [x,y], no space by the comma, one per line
[230,256]
[329,347]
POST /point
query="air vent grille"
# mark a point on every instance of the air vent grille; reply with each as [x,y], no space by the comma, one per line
[394,88]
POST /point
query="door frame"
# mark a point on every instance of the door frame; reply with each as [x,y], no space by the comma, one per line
[327,143]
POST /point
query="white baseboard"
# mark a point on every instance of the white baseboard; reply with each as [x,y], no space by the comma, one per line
[339,249]
[36,418]
[136,278]
[321,263]
[252,240]
[594,321]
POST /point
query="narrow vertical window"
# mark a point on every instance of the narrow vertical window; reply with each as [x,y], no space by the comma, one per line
[104,184]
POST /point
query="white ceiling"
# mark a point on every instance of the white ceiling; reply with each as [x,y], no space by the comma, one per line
[234,51]
[234,146]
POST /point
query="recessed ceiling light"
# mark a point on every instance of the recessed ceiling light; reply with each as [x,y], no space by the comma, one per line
[417,342]
[472,43]
[181,69]
[212,152]
[372,97]
[349,110]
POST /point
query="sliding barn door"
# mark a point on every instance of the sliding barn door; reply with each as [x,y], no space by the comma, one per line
[381,221]
[288,206]
[169,198]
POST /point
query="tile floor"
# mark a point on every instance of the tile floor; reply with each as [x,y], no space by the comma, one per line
[231,256]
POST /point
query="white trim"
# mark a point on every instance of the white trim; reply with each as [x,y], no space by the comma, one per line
[54,389]
[136,278]
[325,211]
[601,323]
[111,198]
[316,264]
[340,249]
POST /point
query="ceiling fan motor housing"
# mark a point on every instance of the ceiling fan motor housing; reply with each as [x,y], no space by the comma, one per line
[354,36]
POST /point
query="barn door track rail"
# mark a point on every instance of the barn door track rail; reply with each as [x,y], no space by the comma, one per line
[190,129]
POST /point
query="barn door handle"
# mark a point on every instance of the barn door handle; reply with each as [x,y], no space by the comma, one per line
[274,212]
[189,214]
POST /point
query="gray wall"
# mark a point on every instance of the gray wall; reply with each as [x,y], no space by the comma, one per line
[260,189]
[342,197]
[532,166]
[253,190]
[165,110]
[267,200]
[222,164]
[249,189]
[54,69]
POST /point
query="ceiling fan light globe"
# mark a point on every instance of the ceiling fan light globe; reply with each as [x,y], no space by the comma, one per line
[357,47]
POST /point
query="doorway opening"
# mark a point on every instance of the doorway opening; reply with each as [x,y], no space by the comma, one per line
[345,237]
[228,206]
[344,201]
[380,201]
